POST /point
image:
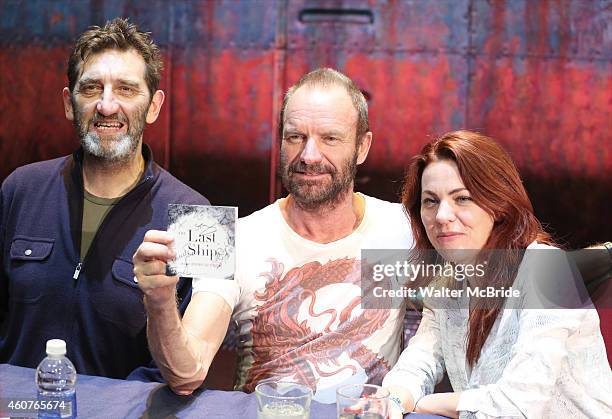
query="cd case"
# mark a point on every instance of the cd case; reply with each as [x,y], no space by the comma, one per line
[204,241]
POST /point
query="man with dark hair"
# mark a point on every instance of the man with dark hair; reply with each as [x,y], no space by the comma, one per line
[296,291]
[69,226]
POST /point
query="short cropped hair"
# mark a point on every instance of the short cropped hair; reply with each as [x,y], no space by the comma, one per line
[323,77]
[121,35]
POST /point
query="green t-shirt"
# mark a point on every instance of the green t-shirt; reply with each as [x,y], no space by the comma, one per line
[94,211]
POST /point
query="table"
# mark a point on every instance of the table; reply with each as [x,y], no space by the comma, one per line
[99,397]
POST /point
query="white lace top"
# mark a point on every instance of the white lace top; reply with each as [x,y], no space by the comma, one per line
[535,363]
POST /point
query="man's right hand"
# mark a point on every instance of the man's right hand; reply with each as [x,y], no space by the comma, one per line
[183,349]
[150,268]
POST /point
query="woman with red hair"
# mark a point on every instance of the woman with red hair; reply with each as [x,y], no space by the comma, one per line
[466,202]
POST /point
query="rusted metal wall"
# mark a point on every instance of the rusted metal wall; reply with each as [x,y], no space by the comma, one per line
[537,75]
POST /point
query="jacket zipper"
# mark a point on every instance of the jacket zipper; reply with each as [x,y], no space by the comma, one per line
[77,271]
[79,267]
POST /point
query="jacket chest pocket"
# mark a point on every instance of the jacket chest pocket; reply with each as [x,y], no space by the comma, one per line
[29,267]
[119,300]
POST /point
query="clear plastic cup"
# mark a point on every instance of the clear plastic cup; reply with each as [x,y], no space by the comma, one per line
[282,399]
[362,401]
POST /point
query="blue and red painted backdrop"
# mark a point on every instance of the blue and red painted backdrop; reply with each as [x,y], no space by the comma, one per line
[537,75]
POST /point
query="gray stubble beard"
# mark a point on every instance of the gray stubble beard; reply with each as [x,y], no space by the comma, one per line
[124,145]
[327,198]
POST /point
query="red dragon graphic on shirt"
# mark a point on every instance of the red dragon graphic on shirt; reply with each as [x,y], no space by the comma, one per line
[283,346]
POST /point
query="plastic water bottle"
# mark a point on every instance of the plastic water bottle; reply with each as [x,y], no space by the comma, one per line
[56,379]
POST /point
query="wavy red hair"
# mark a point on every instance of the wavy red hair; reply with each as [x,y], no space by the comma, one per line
[495,185]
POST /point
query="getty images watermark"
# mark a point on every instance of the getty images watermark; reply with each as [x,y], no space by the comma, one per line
[539,279]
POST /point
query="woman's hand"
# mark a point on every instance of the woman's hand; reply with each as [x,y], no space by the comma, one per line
[444,404]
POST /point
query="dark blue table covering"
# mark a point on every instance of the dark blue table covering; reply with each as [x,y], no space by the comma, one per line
[99,397]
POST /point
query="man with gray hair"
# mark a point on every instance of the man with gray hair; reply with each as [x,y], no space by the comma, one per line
[296,291]
[69,226]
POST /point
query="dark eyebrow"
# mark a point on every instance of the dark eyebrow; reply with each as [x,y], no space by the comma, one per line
[88,81]
[125,82]
[128,83]
[450,193]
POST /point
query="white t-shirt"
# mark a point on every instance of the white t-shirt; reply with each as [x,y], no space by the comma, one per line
[297,302]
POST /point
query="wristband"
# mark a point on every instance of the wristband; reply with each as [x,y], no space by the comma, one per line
[396,400]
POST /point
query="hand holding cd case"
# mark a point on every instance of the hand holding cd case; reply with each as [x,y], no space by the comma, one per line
[204,241]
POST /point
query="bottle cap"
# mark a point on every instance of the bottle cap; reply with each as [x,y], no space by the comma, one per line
[56,347]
